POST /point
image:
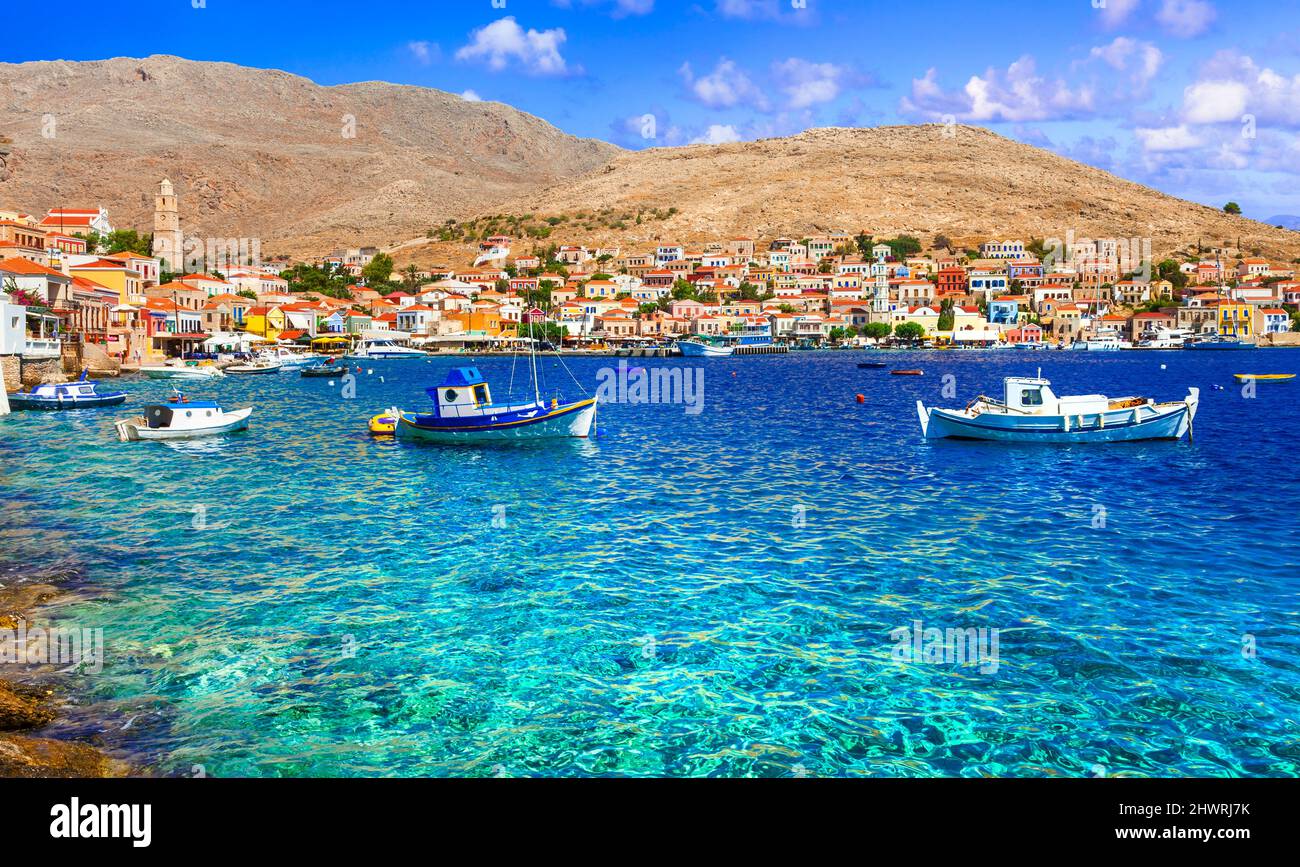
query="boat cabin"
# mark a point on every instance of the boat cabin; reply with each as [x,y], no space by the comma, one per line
[1034,396]
[463,393]
[69,391]
[179,413]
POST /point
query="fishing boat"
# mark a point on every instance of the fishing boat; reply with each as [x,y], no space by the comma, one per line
[370,350]
[907,373]
[705,347]
[257,368]
[871,365]
[1264,377]
[182,418]
[1031,412]
[181,370]
[286,357]
[82,394]
[463,411]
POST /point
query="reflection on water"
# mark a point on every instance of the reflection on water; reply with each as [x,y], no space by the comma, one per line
[705,594]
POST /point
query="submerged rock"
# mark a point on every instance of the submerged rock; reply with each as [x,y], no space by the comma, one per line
[23,708]
[22,756]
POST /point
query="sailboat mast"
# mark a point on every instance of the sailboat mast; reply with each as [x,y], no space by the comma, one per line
[532,354]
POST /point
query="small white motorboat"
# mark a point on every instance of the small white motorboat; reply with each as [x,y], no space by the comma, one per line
[182,418]
[181,370]
[287,357]
[1031,412]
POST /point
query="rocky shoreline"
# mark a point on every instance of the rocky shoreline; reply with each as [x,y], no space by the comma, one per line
[27,709]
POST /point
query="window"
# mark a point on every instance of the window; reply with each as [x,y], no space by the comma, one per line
[1031,397]
[450,396]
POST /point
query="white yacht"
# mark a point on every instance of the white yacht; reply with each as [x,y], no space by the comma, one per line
[1105,340]
[378,349]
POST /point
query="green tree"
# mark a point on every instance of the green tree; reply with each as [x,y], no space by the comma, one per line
[378,269]
[1232,208]
[910,332]
[877,330]
[127,241]
[947,317]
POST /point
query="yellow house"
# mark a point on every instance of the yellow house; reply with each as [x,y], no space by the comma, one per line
[1233,318]
[118,276]
[265,322]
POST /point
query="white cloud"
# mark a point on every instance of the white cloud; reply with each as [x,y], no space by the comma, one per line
[1171,138]
[1186,18]
[504,42]
[1232,85]
[726,86]
[423,52]
[718,134]
[747,9]
[1116,12]
[1215,101]
[1018,94]
[1142,60]
[805,83]
[471,96]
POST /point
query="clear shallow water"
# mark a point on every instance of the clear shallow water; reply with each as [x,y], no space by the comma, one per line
[648,607]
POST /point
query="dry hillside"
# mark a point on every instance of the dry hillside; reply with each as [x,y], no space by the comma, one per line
[886,181]
[262,153]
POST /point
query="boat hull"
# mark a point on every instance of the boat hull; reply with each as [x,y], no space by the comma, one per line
[1219,345]
[23,401]
[570,420]
[253,370]
[1164,422]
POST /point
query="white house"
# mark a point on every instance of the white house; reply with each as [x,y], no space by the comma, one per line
[1002,250]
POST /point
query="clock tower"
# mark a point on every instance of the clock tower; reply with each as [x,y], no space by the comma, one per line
[168,243]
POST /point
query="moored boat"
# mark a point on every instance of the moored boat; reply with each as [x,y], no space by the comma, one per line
[383,349]
[1031,412]
[322,371]
[1218,343]
[257,368]
[1264,377]
[463,411]
[704,347]
[907,373]
[182,418]
[82,394]
[181,370]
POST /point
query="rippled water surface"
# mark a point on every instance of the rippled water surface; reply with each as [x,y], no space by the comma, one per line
[691,595]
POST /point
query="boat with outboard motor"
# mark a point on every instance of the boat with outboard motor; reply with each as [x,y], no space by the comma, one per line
[1031,412]
[463,411]
[182,418]
[82,394]
[257,368]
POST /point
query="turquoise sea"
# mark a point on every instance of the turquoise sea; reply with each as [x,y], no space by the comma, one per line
[704,594]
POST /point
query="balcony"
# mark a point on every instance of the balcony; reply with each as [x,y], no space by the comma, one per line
[42,347]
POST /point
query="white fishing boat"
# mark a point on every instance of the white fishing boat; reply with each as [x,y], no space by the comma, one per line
[182,418]
[82,394]
[383,349]
[1031,412]
[181,370]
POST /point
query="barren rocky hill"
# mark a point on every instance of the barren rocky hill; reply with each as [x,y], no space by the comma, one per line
[262,153]
[970,185]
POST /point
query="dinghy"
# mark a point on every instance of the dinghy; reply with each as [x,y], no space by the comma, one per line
[1031,412]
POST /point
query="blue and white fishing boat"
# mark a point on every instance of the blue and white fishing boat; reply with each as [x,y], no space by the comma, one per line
[1219,343]
[82,394]
[1031,412]
[705,347]
[463,411]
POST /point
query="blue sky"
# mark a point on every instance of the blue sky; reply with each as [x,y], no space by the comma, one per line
[1198,98]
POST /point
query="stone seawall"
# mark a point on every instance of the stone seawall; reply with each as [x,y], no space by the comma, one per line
[11,372]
